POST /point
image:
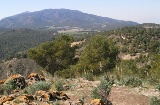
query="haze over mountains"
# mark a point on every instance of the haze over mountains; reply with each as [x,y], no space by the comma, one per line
[62,17]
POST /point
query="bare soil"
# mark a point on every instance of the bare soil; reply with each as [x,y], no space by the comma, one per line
[120,95]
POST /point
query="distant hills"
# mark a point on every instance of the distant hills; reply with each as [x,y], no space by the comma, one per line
[14,41]
[62,17]
[140,38]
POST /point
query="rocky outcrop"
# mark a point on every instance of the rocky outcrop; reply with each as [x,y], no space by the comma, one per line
[18,97]
[18,81]
[50,95]
[34,77]
[5,99]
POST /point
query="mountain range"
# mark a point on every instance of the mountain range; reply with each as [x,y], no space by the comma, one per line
[62,17]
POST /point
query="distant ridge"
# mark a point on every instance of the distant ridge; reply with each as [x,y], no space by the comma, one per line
[62,17]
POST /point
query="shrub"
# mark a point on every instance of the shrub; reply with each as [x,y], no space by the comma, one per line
[155,101]
[158,87]
[59,85]
[2,87]
[11,85]
[66,73]
[41,85]
[131,81]
[88,76]
[153,81]
[102,91]
[7,87]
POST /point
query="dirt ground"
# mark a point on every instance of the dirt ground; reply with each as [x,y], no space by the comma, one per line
[127,96]
[120,95]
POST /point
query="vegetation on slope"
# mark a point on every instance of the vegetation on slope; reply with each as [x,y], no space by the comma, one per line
[54,55]
[138,39]
[100,53]
[14,41]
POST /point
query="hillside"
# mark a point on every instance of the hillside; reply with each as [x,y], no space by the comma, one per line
[130,81]
[22,66]
[131,40]
[62,17]
[14,41]
[143,38]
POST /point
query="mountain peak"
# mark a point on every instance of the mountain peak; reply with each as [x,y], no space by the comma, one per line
[62,17]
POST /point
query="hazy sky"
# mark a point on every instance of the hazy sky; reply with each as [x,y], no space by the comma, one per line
[141,11]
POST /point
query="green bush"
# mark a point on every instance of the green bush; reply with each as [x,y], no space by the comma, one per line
[59,85]
[9,87]
[41,85]
[155,101]
[153,81]
[102,91]
[66,73]
[131,81]
[88,76]
[2,87]
[158,87]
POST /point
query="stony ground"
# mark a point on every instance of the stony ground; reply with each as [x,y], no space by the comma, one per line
[80,90]
[120,95]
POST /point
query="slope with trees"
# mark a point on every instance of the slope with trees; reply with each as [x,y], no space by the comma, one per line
[137,39]
[14,41]
[99,55]
[55,55]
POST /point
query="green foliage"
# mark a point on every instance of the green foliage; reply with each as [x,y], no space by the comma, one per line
[126,68]
[102,91]
[99,51]
[9,87]
[11,84]
[59,85]
[137,39]
[158,87]
[153,81]
[131,81]
[14,41]
[88,76]
[146,67]
[54,55]
[41,85]
[155,67]
[81,101]
[66,73]
[4,88]
[124,49]
[155,101]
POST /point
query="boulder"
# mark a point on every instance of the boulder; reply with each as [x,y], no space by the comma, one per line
[97,102]
[10,103]
[2,81]
[50,96]
[42,95]
[18,81]
[22,99]
[34,77]
[5,99]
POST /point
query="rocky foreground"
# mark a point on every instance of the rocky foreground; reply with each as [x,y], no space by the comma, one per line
[76,92]
[40,97]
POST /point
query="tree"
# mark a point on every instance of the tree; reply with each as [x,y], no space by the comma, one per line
[54,55]
[99,55]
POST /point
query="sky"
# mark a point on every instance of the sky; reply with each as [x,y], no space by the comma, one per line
[141,11]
